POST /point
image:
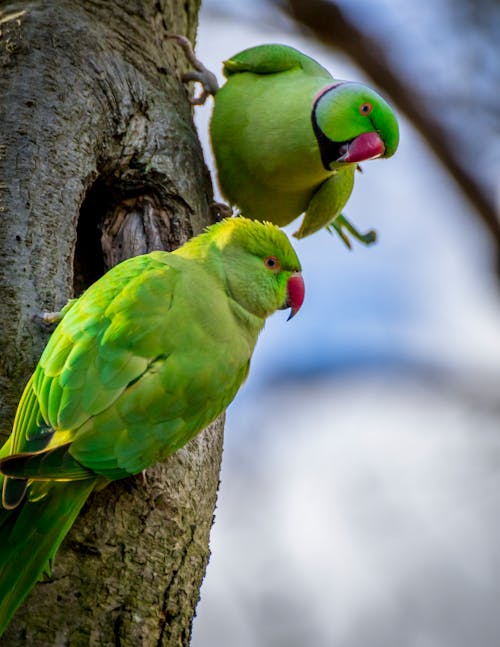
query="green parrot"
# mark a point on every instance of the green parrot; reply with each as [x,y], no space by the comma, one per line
[138,365]
[287,138]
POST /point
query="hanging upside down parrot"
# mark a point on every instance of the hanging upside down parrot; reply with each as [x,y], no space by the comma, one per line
[287,137]
[138,365]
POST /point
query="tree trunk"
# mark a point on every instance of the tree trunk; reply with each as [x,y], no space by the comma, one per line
[99,160]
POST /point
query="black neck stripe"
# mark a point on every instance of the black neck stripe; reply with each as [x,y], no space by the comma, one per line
[328,149]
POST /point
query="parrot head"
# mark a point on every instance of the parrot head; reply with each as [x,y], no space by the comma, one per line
[261,267]
[352,124]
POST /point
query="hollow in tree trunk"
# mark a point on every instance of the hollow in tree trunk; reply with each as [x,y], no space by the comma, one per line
[99,160]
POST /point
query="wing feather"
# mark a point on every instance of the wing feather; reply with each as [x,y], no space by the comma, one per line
[83,369]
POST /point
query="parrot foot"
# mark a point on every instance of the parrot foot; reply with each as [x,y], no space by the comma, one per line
[200,74]
[340,223]
[221,210]
[49,319]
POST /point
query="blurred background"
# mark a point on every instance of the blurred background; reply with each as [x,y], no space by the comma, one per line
[360,494]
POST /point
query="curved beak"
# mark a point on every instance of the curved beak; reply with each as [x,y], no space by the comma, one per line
[367,146]
[295,294]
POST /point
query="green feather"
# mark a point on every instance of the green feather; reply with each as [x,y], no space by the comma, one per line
[31,535]
[51,464]
[327,203]
[278,135]
[138,365]
[272,59]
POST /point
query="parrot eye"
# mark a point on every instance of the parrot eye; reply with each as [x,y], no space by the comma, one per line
[365,108]
[272,263]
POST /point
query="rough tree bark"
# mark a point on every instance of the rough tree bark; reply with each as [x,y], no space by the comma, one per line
[99,160]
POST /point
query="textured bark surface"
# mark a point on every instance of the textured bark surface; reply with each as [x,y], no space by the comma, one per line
[99,160]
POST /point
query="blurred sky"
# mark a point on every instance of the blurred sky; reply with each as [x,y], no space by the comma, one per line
[360,493]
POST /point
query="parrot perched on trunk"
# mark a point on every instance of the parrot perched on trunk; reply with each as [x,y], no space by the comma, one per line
[288,137]
[138,365]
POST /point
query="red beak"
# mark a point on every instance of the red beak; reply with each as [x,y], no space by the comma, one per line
[367,146]
[295,293]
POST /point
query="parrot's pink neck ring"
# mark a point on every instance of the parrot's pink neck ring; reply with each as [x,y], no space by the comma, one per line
[324,91]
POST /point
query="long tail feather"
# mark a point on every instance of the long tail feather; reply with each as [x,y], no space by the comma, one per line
[30,536]
[13,492]
[55,464]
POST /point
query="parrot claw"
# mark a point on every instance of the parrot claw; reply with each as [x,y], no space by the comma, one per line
[49,319]
[221,210]
[200,74]
[340,223]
